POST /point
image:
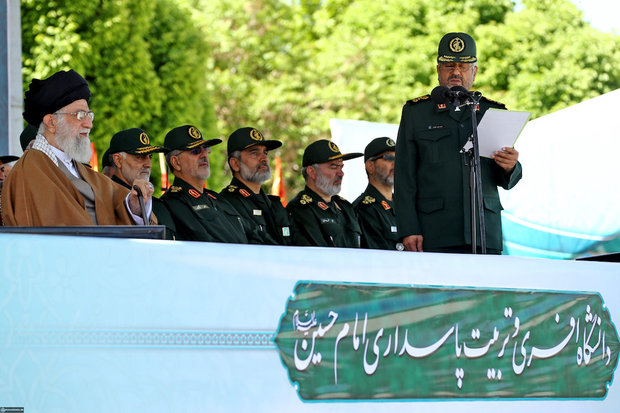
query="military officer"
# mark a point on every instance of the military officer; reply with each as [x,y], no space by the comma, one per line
[130,153]
[320,216]
[375,211]
[199,213]
[432,175]
[248,159]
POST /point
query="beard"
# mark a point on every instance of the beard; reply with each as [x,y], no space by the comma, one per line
[70,142]
[256,176]
[325,185]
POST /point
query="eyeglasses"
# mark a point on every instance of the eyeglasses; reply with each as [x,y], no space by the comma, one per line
[198,150]
[390,157]
[80,114]
[451,67]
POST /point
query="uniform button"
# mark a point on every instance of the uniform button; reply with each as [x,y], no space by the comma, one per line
[462,126]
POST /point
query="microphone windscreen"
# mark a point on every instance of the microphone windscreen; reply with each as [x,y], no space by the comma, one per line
[460,90]
[440,94]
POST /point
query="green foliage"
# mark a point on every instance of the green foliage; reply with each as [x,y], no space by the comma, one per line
[288,67]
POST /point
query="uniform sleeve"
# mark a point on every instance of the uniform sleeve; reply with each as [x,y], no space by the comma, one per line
[372,232]
[405,177]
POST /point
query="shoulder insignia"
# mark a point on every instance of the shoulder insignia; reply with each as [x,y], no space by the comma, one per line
[211,195]
[322,205]
[174,189]
[385,205]
[419,99]
[232,188]
[305,199]
[368,200]
[244,192]
[493,102]
[194,193]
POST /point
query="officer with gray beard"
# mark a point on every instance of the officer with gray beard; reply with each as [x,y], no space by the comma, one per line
[248,159]
[322,217]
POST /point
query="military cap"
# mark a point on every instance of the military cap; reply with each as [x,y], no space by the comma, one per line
[134,141]
[57,91]
[457,47]
[244,138]
[377,146]
[323,151]
[105,159]
[8,158]
[28,134]
[187,137]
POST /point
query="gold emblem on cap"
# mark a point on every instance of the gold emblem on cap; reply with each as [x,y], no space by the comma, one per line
[457,45]
[194,132]
[144,138]
[390,142]
[333,147]
[256,135]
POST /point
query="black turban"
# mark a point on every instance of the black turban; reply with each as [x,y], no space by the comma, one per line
[48,95]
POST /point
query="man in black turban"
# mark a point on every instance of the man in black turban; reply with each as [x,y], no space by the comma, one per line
[49,185]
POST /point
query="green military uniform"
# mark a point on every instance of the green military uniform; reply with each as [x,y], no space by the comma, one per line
[320,223]
[135,141]
[202,216]
[323,224]
[377,220]
[264,211]
[432,195]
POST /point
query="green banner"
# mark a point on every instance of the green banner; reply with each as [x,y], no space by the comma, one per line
[347,341]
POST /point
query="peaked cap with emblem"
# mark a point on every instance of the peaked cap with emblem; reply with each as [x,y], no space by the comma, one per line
[377,146]
[57,91]
[134,141]
[244,138]
[457,47]
[323,151]
[187,137]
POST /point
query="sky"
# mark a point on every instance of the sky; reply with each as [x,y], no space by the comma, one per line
[602,14]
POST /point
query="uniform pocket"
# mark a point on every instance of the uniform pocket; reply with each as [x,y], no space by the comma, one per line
[430,142]
[429,205]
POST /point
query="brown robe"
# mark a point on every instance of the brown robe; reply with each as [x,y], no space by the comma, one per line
[37,193]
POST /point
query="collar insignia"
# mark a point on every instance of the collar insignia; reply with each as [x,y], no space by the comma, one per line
[385,205]
[322,205]
[244,192]
[194,193]
[441,106]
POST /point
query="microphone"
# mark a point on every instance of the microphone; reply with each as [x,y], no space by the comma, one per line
[441,94]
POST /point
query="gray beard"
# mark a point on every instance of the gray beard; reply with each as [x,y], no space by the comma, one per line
[326,186]
[74,146]
[256,176]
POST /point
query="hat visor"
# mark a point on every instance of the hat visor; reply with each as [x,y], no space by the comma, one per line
[270,145]
[456,59]
[8,158]
[353,155]
[201,142]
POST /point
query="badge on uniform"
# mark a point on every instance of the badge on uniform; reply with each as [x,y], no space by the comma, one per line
[322,205]
[257,212]
[286,232]
[244,192]
[200,207]
[393,228]
[194,193]
[478,108]
[385,205]
[441,106]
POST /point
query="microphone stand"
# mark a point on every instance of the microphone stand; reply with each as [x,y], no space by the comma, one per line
[475,178]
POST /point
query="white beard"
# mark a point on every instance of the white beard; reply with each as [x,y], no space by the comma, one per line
[71,143]
[325,185]
[256,176]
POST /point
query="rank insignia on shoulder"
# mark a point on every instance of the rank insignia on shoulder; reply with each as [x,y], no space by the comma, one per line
[322,205]
[385,205]
[368,200]
[194,193]
[244,192]
[211,195]
[174,189]
[419,99]
[232,188]
[305,199]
